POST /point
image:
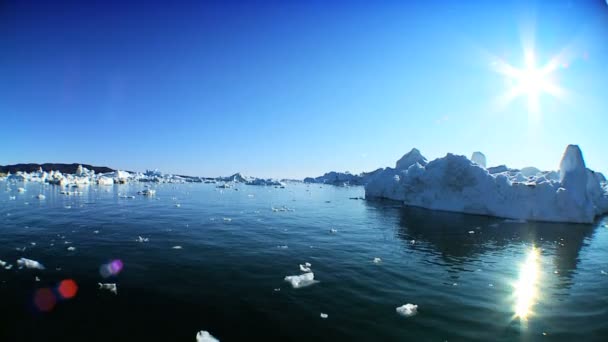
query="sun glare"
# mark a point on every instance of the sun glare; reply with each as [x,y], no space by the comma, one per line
[530,81]
[526,285]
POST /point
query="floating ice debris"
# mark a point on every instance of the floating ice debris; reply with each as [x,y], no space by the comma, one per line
[37,279]
[177,247]
[491,285]
[377,260]
[68,207]
[333,231]
[22,249]
[277,289]
[2,263]
[407,310]
[304,268]
[603,272]
[21,190]
[12,198]
[96,232]
[8,267]
[33,243]
[141,239]
[205,336]
[71,248]
[298,281]
[250,196]
[282,247]
[413,242]
[40,196]
[471,232]
[28,263]
[109,286]
[148,192]
[227,219]
[324,315]
[177,205]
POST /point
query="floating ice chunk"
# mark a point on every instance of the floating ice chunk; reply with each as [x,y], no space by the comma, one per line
[471,232]
[324,315]
[307,264]
[407,310]
[28,263]
[177,205]
[109,286]
[142,239]
[298,281]
[2,263]
[21,190]
[282,247]
[71,248]
[333,231]
[177,247]
[413,242]
[148,192]
[8,267]
[37,279]
[33,243]
[304,268]
[96,232]
[227,219]
[40,196]
[377,260]
[205,336]
[12,198]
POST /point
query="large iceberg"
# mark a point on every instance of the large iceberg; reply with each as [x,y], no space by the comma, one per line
[455,183]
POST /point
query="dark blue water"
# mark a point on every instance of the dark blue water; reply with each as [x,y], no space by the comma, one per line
[462,271]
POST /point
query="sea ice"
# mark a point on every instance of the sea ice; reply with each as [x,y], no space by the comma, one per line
[142,239]
[71,248]
[407,310]
[28,263]
[455,183]
[303,280]
[109,286]
[177,247]
[205,336]
[377,260]
[324,315]
[304,268]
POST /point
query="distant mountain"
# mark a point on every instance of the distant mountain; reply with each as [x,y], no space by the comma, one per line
[63,168]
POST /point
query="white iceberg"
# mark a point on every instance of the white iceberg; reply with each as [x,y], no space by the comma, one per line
[407,310]
[305,268]
[303,280]
[454,183]
[479,159]
[105,181]
[28,263]
[205,336]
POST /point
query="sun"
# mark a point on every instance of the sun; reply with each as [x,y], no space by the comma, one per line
[529,81]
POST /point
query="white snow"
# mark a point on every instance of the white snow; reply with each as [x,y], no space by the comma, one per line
[205,336]
[303,280]
[407,310]
[28,263]
[479,159]
[454,183]
[109,286]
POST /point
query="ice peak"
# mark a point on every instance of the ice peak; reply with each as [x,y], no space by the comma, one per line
[479,159]
[572,163]
[412,157]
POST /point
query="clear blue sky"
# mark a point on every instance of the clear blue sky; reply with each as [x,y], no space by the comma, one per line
[296,88]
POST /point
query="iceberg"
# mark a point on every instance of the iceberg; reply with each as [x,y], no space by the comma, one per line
[454,183]
[407,310]
[109,286]
[28,263]
[303,280]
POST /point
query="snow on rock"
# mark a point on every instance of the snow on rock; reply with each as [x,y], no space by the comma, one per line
[455,183]
[205,336]
[303,280]
[407,310]
[28,263]
[479,159]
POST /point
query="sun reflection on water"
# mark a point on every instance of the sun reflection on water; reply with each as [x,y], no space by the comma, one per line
[526,285]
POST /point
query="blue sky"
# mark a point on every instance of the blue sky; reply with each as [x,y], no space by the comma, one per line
[296,88]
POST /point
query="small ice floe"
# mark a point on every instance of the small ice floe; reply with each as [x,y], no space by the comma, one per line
[303,280]
[96,232]
[277,289]
[8,267]
[305,268]
[282,247]
[377,260]
[21,190]
[109,286]
[22,249]
[33,243]
[471,232]
[37,279]
[413,242]
[324,315]
[333,231]
[40,196]
[12,198]
[148,192]
[407,310]
[68,207]
[71,248]
[177,247]
[177,205]
[205,336]
[142,239]
[28,263]
[227,219]
[2,263]
[603,272]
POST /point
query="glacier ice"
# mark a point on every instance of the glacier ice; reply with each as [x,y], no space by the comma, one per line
[407,310]
[455,183]
[303,280]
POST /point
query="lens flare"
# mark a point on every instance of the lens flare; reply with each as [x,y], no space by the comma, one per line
[526,286]
[67,289]
[112,268]
[45,299]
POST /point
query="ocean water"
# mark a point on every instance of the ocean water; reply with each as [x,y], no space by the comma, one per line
[473,278]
